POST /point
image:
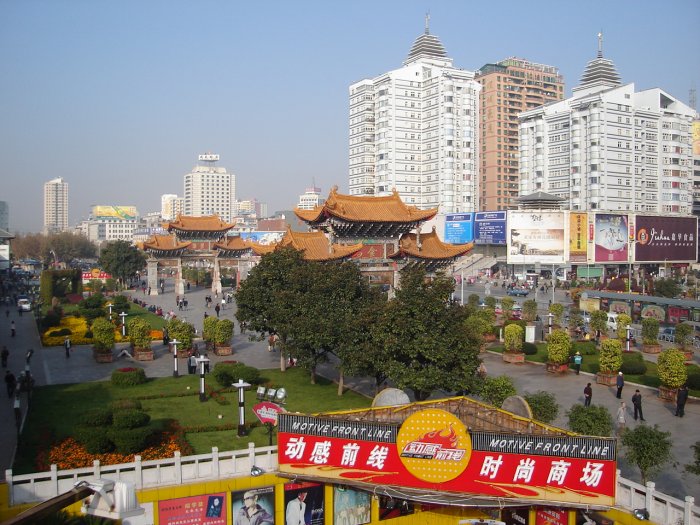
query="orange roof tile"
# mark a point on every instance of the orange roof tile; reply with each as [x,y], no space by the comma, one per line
[233,243]
[262,249]
[165,243]
[206,223]
[317,247]
[431,247]
[365,209]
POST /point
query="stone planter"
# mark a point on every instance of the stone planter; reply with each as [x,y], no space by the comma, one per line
[651,349]
[223,350]
[182,353]
[102,356]
[144,354]
[514,357]
[556,368]
[605,378]
[688,355]
[668,394]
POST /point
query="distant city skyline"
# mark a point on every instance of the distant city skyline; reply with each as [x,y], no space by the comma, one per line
[118,98]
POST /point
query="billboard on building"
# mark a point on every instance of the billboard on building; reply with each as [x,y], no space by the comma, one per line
[253,506]
[696,138]
[578,237]
[490,227]
[4,256]
[611,242]
[115,213]
[304,503]
[662,239]
[433,450]
[350,506]
[536,237]
[206,509]
[459,228]
[262,237]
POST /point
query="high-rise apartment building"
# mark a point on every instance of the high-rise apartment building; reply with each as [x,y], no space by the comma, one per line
[171,206]
[508,88]
[55,206]
[310,198]
[609,147]
[210,189]
[4,216]
[413,130]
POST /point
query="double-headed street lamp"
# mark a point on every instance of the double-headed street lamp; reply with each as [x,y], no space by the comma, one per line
[175,342]
[241,386]
[202,361]
[123,315]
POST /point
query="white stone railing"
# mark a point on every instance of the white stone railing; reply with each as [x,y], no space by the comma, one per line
[178,470]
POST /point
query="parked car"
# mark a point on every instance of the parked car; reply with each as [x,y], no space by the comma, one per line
[518,292]
[24,304]
[612,321]
[667,334]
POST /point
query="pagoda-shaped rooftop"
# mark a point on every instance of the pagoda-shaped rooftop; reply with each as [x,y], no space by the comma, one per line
[165,246]
[234,246]
[205,227]
[315,246]
[427,250]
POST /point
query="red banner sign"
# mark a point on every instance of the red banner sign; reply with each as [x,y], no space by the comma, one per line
[209,509]
[267,412]
[433,450]
[96,274]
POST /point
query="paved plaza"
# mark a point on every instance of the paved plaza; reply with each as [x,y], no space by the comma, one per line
[50,366]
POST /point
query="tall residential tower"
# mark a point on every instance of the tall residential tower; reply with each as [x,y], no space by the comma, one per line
[55,206]
[508,88]
[210,189]
[413,130]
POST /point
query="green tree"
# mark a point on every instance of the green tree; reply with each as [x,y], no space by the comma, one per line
[599,321]
[495,390]
[682,335]
[490,302]
[558,347]
[514,338]
[544,406]
[623,321]
[666,288]
[610,356]
[182,332]
[121,259]
[425,338]
[557,310]
[671,368]
[103,334]
[647,447]
[529,310]
[473,300]
[594,420]
[507,304]
[650,331]
[209,328]
[139,333]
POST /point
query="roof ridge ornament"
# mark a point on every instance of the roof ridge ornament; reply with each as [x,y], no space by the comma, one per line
[427,23]
[600,44]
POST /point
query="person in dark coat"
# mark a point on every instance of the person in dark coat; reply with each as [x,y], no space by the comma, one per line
[587,395]
[10,383]
[637,403]
[620,384]
[681,398]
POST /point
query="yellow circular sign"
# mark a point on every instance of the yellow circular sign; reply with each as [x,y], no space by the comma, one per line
[434,445]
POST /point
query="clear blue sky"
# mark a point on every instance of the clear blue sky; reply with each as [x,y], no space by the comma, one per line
[119,97]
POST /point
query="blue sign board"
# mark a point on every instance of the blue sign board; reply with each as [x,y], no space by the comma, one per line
[458,228]
[490,227]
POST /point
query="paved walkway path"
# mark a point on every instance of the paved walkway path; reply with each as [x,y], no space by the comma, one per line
[50,366]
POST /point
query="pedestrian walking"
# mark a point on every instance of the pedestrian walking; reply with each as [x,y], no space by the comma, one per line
[621,418]
[271,343]
[10,383]
[13,330]
[191,363]
[4,354]
[217,309]
[18,412]
[637,403]
[223,303]
[681,398]
[620,382]
[587,395]
[67,345]
[577,362]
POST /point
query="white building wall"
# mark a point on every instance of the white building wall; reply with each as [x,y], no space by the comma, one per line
[55,206]
[208,190]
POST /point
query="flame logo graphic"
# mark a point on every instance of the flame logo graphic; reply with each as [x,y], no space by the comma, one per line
[449,440]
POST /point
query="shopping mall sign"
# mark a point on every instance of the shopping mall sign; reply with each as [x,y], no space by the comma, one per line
[433,450]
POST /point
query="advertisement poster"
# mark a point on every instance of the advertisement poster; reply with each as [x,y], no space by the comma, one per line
[123,213]
[515,515]
[536,237]
[578,237]
[551,516]
[253,506]
[262,237]
[657,312]
[433,450]
[662,239]
[620,307]
[696,138]
[208,509]
[459,228]
[393,508]
[350,507]
[611,240]
[303,504]
[490,227]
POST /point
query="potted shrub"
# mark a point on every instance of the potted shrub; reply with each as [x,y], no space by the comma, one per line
[672,373]
[103,337]
[623,321]
[140,337]
[184,334]
[209,331]
[610,361]
[650,336]
[558,350]
[599,323]
[478,325]
[530,311]
[575,323]
[222,337]
[507,304]
[557,310]
[513,339]
[489,317]
[682,339]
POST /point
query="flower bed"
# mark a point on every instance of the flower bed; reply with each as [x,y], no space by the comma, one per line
[78,329]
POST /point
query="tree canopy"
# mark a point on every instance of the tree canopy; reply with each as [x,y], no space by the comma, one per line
[121,259]
[67,246]
[649,448]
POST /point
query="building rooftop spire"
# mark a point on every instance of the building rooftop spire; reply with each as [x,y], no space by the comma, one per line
[600,44]
[426,45]
[600,70]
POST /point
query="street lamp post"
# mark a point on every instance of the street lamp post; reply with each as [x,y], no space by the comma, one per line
[629,337]
[123,315]
[241,386]
[175,342]
[110,305]
[550,316]
[202,360]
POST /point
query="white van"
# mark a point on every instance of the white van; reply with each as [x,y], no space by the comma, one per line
[612,321]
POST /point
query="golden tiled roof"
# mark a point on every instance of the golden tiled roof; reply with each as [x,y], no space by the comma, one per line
[233,243]
[262,249]
[165,243]
[206,223]
[431,247]
[316,246]
[365,209]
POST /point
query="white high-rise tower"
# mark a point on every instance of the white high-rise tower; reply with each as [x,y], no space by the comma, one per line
[55,206]
[414,130]
[210,189]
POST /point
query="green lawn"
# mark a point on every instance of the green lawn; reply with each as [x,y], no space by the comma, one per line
[56,410]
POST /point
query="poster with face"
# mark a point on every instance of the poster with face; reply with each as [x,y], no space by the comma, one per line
[303,504]
[253,506]
[611,238]
[350,507]
[196,510]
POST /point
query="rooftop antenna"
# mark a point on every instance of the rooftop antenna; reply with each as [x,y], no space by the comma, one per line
[427,23]
[693,98]
[600,44]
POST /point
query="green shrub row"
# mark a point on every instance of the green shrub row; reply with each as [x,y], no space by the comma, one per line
[124,441]
[58,333]
[130,418]
[228,373]
[124,377]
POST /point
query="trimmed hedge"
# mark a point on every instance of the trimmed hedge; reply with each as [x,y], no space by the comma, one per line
[97,417]
[125,404]
[130,418]
[95,440]
[228,373]
[633,364]
[693,381]
[131,441]
[124,377]
[529,348]
[585,348]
